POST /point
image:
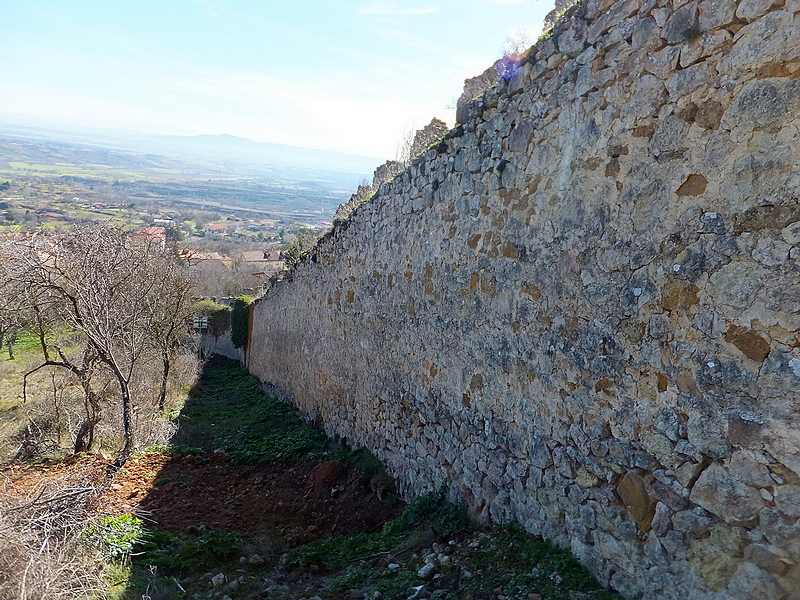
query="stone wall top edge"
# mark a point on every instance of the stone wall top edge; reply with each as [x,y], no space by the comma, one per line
[588,12]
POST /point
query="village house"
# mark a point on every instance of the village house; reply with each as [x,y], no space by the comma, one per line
[260,264]
[207,263]
[157,235]
[216,229]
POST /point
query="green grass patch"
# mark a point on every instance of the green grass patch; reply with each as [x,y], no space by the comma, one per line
[228,410]
[25,342]
[178,449]
[289,445]
[161,559]
[482,562]
[518,562]
[116,536]
[429,512]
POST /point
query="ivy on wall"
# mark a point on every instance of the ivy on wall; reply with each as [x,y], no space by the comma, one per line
[240,321]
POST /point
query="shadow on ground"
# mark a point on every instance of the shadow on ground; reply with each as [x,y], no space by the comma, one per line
[242,463]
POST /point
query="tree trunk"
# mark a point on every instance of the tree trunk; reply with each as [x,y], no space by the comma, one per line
[85,437]
[11,339]
[162,396]
[127,418]
[81,444]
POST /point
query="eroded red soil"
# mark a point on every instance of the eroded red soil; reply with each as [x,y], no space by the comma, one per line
[293,502]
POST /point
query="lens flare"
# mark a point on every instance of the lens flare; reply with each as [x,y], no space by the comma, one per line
[509,65]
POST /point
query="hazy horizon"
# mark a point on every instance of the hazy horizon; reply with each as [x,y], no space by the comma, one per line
[350,77]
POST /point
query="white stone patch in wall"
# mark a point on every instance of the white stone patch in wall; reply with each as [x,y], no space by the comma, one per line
[794,364]
[771,252]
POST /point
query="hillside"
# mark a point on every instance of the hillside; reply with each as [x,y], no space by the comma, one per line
[264,506]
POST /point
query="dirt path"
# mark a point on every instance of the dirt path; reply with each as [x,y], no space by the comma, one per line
[287,502]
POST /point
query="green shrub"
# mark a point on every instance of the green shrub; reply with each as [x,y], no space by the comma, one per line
[116,536]
[240,321]
[219,315]
[177,553]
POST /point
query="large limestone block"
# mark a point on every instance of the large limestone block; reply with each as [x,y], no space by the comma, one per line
[752,9]
[787,499]
[704,46]
[751,581]
[616,14]
[662,63]
[647,96]
[670,138]
[638,499]
[715,13]
[736,284]
[686,81]
[721,493]
[767,104]
[713,566]
[682,25]
[761,44]
[573,40]
[769,558]
[646,35]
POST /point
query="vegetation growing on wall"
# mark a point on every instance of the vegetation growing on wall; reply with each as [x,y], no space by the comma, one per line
[299,249]
[219,316]
[240,321]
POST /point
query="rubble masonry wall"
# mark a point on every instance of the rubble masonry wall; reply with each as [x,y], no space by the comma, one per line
[581,310]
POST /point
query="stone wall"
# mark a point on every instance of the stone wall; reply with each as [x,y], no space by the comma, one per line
[581,311]
[222,345]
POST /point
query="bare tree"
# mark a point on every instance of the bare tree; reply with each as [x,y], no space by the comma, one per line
[403,152]
[518,44]
[11,318]
[127,299]
[83,367]
[10,323]
[170,315]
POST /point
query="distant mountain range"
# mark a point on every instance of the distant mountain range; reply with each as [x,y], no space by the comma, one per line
[247,151]
[226,149]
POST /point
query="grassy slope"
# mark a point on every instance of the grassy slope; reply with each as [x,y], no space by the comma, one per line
[12,414]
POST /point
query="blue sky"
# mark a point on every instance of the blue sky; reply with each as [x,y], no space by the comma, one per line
[349,75]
